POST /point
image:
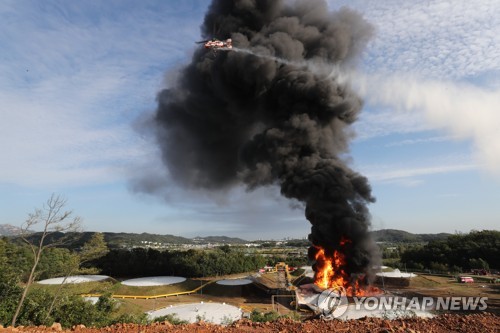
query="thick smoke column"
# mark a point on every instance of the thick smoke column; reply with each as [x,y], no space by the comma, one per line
[246,118]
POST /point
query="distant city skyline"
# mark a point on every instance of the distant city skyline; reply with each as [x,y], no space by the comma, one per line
[78,80]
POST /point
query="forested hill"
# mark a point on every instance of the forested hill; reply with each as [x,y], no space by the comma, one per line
[400,236]
[120,239]
[131,238]
[219,239]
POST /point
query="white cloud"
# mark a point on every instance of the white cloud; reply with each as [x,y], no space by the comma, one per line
[377,122]
[419,141]
[73,77]
[419,60]
[52,143]
[463,110]
[412,176]
[436,38]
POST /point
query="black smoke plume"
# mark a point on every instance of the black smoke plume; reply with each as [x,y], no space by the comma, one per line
[260,114]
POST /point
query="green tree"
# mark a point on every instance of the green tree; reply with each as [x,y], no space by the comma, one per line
[478,263]
[477,249]
[94,249]
[55,262]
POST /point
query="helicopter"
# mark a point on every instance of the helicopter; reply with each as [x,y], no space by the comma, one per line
[215,44]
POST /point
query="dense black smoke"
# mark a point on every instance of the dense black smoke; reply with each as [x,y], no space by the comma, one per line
[249,117]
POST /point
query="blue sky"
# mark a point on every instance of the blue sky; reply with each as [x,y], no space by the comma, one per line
[76,78]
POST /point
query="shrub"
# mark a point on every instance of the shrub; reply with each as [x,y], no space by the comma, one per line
[263,317]
[10,292]
[171,318]
[141,319]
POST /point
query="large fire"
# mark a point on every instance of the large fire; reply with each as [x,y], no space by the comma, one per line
[330,273]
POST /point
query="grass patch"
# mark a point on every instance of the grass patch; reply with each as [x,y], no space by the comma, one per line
[420,281]
[128,308]
[98,287]
[114,288]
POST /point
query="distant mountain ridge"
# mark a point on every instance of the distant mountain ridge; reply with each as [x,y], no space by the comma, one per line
[117,239]
[9,230]
[400,236]
[219,239]
[123,239]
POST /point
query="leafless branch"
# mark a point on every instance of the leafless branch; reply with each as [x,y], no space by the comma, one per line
[52,219]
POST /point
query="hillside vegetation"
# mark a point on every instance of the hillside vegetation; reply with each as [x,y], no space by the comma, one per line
[400,236]
[461,252]
[122,239]
[129,240]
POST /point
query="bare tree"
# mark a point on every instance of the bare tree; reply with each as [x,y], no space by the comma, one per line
[52,218]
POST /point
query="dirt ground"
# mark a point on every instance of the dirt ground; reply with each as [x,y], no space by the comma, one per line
[474,323]
[435,286]
[246,304]
[250,297]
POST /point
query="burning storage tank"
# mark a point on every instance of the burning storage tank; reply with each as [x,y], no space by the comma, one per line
[274,110]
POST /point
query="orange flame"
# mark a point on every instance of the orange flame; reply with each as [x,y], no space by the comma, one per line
[330,273]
